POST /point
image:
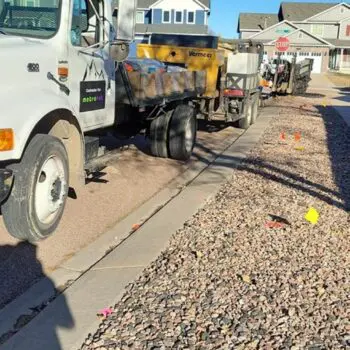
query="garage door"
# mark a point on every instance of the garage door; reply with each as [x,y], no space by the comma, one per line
[316,56]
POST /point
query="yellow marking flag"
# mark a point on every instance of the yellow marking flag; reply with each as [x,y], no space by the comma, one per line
[312,216]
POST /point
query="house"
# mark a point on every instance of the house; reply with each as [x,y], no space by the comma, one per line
[171,17]
[316,30]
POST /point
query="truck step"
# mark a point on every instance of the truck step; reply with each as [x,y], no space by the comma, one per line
[93,148]
[99,163]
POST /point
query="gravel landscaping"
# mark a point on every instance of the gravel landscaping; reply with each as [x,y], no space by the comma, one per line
[232,278]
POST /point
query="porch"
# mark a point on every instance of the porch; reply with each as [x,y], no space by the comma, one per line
[339,60]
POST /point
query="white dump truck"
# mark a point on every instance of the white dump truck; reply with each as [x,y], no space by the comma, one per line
[63,84]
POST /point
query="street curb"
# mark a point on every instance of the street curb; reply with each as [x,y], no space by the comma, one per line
[74,271]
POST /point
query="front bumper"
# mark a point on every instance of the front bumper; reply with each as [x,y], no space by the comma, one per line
[6,179]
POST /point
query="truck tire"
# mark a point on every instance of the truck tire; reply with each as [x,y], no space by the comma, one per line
[245,122]
[255,108]
[182,132]
[158,135]
[36,204]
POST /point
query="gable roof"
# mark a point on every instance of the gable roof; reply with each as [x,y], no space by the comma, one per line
[276,25]
[145,4]
[316,38]
[328,10]
[299,11]
[256,21]
[141,4]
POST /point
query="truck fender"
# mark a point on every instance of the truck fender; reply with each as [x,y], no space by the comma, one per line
[43,111]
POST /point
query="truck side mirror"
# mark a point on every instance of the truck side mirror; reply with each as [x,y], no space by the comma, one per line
[126,20]
[118,51]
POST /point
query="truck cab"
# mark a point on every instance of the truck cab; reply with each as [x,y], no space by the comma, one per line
[57,83]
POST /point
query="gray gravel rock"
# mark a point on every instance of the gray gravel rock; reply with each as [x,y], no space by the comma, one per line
[226,281]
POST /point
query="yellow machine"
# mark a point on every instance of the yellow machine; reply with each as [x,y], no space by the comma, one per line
[194,59]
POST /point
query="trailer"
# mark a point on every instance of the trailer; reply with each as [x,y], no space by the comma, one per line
[65,83]
[232,81]
[280,76]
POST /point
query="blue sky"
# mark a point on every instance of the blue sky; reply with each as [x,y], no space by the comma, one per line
[224,13]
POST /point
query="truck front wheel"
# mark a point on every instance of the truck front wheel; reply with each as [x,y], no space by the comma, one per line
[36,204]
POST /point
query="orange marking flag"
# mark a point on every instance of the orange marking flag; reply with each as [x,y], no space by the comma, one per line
[297,136]
[274,224]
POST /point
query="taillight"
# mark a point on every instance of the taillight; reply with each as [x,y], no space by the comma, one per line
[233,93]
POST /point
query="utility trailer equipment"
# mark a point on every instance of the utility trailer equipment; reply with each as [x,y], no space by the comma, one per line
[232,87]
[279,76]
[65,83]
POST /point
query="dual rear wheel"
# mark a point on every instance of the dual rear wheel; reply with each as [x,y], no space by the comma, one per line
[173,135]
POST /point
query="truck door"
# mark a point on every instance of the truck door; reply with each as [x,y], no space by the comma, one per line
[90,69]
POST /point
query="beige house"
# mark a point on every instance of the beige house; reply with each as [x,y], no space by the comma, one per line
[320,31]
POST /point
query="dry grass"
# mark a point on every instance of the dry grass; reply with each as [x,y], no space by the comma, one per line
[339,79]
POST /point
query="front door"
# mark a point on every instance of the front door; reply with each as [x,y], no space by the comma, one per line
[90,67]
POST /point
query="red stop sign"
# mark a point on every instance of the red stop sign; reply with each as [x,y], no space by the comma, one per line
[282,44]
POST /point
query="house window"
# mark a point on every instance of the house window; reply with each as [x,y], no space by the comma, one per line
[300,35]
[140,17]
[190,17]
[166,16]
[317,29]
[178,17]
[348,30]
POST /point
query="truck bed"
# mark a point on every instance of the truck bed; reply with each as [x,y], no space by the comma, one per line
[140,89]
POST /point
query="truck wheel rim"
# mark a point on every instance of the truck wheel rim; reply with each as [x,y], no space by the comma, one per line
[50,190]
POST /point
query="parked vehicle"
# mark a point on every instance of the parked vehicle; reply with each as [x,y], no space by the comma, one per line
[63,85]
[232,87]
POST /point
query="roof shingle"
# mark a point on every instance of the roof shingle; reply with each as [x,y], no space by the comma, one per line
[339,42]
[258,21]
[299,11]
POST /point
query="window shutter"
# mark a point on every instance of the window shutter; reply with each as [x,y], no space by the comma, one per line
[348,30]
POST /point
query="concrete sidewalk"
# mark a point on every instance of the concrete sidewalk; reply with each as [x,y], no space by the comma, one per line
[337,97]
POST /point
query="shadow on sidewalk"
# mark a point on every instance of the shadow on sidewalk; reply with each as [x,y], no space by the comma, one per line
[19,265]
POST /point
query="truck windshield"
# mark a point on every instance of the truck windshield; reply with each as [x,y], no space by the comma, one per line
[33,18]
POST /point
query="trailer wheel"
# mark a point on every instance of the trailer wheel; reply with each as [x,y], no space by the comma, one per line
[261,102]
[158,135]
[182,132]
[246,121]
[36,204]
[255,108]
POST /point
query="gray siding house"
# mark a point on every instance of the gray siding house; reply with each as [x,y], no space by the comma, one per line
[171,17]
[316,30]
